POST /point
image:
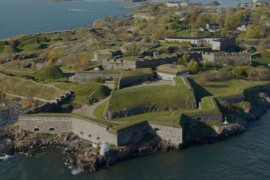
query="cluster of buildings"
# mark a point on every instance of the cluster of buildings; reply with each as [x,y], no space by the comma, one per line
[254,4]
[216,44]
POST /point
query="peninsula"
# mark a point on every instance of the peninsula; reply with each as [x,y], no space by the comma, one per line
[169,76]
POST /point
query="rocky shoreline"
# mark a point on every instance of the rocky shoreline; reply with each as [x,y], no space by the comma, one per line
[82,157]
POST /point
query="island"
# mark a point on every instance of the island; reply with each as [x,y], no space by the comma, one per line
[166,77]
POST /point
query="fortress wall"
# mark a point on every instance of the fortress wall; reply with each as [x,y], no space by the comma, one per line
[172,134]
[43,124]
[133,134]
[93,132]
[233,99]
[136,80]
[83,77]
[227,58]
[206,117]
[51,106]
[84,129]
[153,63]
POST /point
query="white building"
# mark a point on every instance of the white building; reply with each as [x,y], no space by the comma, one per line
[169,71]
[242,28]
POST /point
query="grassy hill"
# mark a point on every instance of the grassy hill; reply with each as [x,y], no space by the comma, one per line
[28,88]
[49,73]
[162,98]
[85,92]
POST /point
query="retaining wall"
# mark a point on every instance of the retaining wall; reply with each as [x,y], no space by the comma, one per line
[172,134]
[97,133]
[83,77]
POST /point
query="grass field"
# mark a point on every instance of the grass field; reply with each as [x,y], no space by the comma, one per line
[231,87]
[162,118]
[100,110]
[136,73]
[260,61]
[28,88]
[47,73]
[156,97]
[84,92]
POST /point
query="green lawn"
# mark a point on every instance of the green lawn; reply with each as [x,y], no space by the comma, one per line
[100,110]
[164,97]
[136,73]
[222,88]
[183,34]
[161,118]
[28,88]
[84,92]
[260,61]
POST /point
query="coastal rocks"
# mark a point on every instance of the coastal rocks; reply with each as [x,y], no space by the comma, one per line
[9,112]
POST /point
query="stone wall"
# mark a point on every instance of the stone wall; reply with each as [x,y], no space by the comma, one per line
[51,125]
[254,42]
[153,63]
[97,133]
[126,82]
[227,58]
[83,77]
[52,105]
[172,134]
[85,129]
[93,132]
[133,134]
[114,64]
[206,117]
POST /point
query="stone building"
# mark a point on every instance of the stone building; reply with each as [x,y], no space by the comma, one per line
[221,58]
[217,44]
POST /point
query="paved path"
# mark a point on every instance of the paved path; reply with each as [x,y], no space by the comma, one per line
[88,111]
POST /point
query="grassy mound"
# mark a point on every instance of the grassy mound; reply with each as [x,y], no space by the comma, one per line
[28,88]
[49,73]
[85,92]
[162,98]
[136,73]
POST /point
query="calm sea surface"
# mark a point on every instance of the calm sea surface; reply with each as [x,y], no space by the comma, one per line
[34,16]
[243,157]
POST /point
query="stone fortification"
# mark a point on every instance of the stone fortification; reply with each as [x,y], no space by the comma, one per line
[217,44]
[171,134]
[96,133]
[113,64]
[227,58]
[83,77]
[51,106]
[132,81]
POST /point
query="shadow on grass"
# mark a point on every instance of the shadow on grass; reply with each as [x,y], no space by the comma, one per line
[199,91]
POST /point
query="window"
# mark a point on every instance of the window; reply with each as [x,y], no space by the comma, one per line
[36,129]
[98,138]
[51,129]
[81,132]
[89,135]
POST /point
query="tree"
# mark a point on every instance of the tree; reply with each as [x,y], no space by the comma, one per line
[193,66]
[224,73]
[263,73]
[184,60]
[262,46]
[240,72]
